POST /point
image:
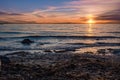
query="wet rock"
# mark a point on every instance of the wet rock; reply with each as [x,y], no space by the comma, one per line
[101,51]
[27,41]
[4,63]
[47,51]
[22,54]
[59,51]
[88,52]
[97,39]
[4,60]
[75,67]
[41,43]
[110,50]
[116,51]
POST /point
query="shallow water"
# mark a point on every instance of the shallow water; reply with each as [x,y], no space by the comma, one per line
[75,38]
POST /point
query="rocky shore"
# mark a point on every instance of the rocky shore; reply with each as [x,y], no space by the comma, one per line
[28,66]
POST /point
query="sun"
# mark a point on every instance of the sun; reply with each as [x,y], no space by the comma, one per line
[90,18]
[90,21]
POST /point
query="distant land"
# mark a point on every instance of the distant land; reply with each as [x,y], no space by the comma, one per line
[55,23]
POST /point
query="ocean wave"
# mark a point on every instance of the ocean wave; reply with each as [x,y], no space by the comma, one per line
[68,37]
[67,46]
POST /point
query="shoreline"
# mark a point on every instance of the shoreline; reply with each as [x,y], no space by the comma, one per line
[27,66]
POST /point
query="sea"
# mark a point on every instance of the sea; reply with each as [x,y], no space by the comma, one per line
[60,38]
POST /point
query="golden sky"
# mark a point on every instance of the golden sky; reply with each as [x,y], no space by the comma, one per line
[60,11]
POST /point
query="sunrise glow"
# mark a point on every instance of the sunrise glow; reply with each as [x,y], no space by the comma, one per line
[90,21]
[59,11]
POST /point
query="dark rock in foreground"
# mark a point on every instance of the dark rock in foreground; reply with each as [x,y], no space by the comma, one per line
[63,67]
[4,60]
[27,41]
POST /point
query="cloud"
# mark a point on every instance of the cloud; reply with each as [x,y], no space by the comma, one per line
[38,15]
[71,11]
[9,13]
[80,8]
[94,6]
[111,16]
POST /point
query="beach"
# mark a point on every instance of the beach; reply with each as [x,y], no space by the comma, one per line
[60,52]
[59,40]
[26,66]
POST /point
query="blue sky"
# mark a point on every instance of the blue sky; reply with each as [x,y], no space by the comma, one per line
[29,5]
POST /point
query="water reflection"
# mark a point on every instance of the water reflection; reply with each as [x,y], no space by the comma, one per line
[90,30]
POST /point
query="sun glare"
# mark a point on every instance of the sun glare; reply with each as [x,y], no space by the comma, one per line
[90,21]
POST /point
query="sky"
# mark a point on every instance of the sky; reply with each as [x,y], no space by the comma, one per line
[59,11]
